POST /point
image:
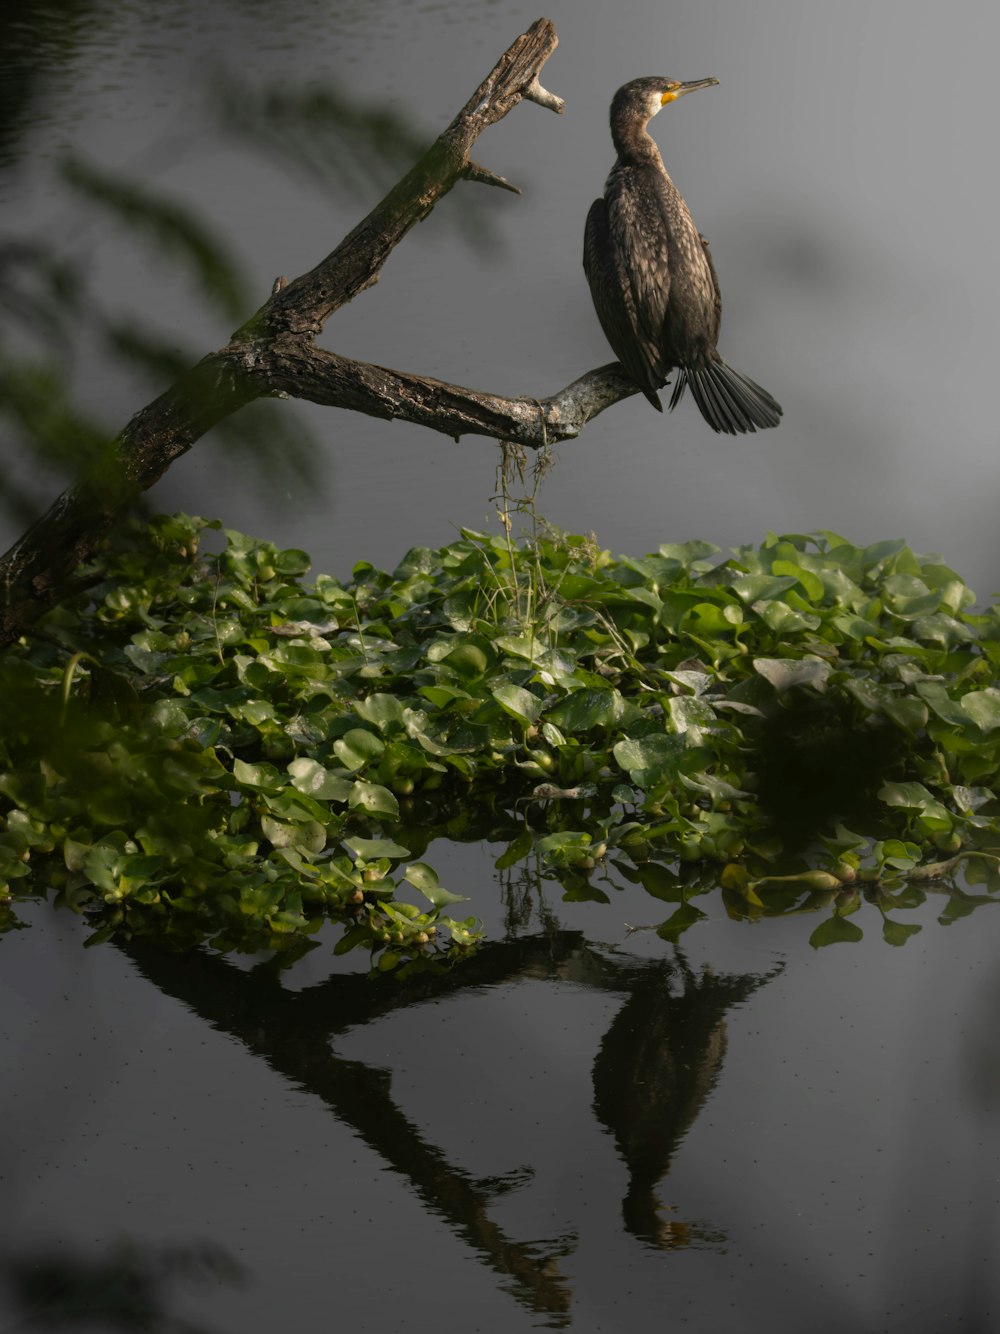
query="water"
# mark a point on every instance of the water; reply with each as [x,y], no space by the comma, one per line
[814,1147]
[586,1126]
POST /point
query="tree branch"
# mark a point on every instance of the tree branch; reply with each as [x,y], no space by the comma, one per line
[289,367]
[274,354]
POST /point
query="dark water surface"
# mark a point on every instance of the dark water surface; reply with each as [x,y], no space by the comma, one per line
[585,1128]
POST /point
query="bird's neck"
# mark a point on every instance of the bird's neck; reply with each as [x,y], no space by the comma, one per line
[636,146]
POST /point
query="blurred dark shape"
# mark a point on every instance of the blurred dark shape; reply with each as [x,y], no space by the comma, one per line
[52,312]
[656,1068]
[36,40]
[126,1288]
[341,146]
[817,765]
[174,231]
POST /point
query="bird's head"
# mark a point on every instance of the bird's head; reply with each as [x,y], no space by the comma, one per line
[643,98]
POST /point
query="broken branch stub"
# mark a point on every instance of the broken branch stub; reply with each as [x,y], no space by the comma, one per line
[305,304]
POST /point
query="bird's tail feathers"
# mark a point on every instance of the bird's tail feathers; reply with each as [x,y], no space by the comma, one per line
[728,400]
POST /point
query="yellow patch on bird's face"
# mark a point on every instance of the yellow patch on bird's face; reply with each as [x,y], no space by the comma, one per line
[668,95]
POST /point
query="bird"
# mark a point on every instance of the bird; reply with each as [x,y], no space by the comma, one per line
[652,278]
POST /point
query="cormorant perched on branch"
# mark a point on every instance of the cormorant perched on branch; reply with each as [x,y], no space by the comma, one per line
[652,278]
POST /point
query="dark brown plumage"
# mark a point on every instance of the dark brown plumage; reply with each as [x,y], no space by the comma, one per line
[651,275]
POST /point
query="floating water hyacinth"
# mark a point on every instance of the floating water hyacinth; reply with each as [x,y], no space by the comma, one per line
[212,747]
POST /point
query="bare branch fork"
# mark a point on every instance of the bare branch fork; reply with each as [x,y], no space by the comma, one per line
[275,353]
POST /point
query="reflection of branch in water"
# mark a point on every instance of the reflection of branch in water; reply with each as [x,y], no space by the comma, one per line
[522,892]
[656,1067]
[292,1031]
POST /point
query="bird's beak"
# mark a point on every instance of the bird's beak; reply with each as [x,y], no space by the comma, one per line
[679,89]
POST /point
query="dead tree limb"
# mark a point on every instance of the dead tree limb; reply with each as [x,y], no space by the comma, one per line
[275,354]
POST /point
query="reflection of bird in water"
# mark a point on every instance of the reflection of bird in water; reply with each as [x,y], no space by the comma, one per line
[652,278]
[657,1066]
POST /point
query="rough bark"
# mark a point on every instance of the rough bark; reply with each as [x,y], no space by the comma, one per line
[274,353]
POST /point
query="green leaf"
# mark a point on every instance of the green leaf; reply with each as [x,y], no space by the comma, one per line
[691,715]
[761,587]
[913,796]
[374,798]
[292,561]
[468,660]
[661,882]
[442,898]
[983,707]
[309,835]
[370,849]
[357,748]
[521,703]
[516,851]
[582,891]
[811,584]
[678,922]
[563,841]
[906,712]
[421,876]
[588,708]
[898,933]
[649,758]
[101,866]
[785,673]
[385,711]
[260,777]
[356,935]
[709,620]
[835,931]
[894,852]
[310,777]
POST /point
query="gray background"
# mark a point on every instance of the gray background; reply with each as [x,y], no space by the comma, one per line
[842,171]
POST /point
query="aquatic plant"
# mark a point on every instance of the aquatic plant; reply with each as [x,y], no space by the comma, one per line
[204,745]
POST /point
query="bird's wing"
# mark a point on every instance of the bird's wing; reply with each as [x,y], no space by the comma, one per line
[715,283]
[609,274]
[637,225]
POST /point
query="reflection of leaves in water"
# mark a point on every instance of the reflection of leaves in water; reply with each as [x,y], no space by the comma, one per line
[123,1289]
[657,1065]
[357,151]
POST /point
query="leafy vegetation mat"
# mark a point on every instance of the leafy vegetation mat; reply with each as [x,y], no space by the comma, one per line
[208,747]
